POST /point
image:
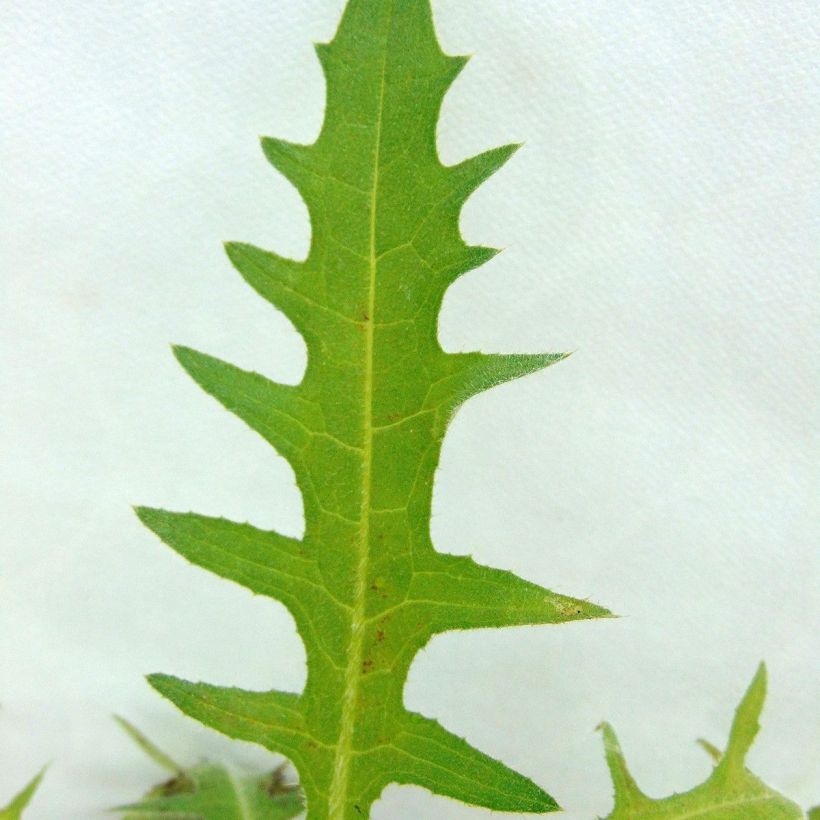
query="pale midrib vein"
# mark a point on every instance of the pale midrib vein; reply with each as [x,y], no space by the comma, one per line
[241,802]
[337,796]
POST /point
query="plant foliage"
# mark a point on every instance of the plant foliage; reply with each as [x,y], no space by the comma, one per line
[14,810]
[732,792]
[363,433]
[211,791]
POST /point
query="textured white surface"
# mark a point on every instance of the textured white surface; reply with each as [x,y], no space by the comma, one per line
[662,221]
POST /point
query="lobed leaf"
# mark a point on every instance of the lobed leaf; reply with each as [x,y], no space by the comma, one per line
[363,433]
[732,792]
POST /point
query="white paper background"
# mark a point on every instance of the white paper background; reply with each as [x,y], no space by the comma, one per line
[662,221]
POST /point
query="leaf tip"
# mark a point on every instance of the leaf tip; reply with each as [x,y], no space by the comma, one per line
[612,746]
[23,798]
[710,749]
[161,682]
[746,723]
[154,519]
[186,356]
[179,350]
[235,251]
[456,64]
[545,805]
[150,749]
[322,49]
[573,609]
[143,513]
[627,793]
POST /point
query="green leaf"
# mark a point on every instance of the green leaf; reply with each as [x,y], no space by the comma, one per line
[211,792]
[363,433]
[157,755]
[14,810]
[732,792]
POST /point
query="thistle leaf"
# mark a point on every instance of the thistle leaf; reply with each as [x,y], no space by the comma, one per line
[14,810]
[211,792]
[363,433]
[732,792]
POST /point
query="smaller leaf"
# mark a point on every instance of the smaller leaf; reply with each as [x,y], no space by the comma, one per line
[210,791]
[710,749]
[14,810]
[157,755]
[732,792]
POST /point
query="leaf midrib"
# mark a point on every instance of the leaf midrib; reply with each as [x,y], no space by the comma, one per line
[239,796]
[337,798]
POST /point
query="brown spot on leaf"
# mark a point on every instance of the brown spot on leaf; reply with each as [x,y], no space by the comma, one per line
[181,784]
[276,784]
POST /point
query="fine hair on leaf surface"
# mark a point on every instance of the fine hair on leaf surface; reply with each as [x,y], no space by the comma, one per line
[363,433]
[731,792]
